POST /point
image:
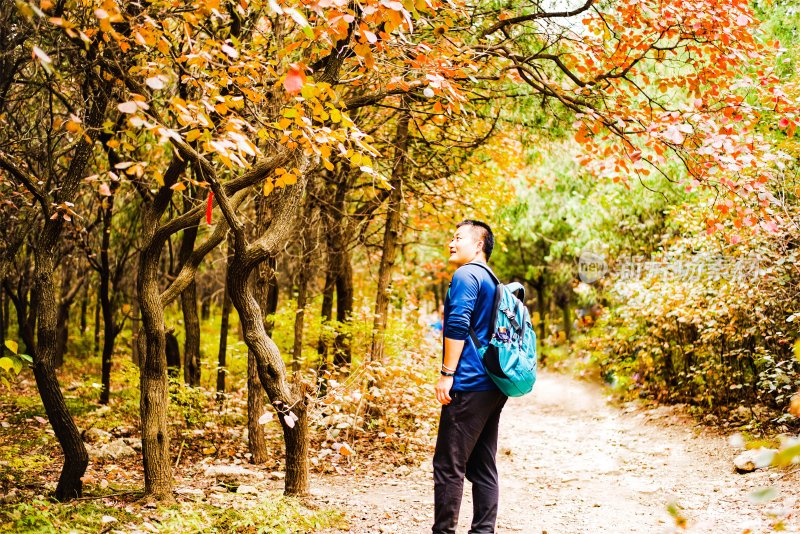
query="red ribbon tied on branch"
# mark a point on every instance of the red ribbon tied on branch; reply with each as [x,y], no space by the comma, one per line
[209,206]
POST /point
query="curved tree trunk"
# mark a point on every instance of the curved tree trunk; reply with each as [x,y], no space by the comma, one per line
[264,291]
[76,459]
[291,405]
[272,373]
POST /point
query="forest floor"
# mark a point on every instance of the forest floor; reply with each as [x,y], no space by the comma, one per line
[571,462]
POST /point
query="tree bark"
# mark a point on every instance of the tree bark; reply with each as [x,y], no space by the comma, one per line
[303,276]
[135,356]
[154,400]
[76,459]
[342,355]
[325,314]
[290,404]
[97,308]
[84,307]
[255,409]
[391,236]
[223,335]
[273,290]
[265,292]
[302,289]
[191,321]
[272,373]
[3,319]
[107,305]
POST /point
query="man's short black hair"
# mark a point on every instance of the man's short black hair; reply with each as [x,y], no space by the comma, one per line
[485,234]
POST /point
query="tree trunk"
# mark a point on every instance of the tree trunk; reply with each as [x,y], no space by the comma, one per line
[567,317]
[191,321]
[542,308]
[272,295]
[84,307]
[344,309]
[3,319]
[6,314]
[107,305]
[76,459]
[191,343]
[290,404]
[297,349]
[97,307]
[391,237]
[255,409]
[154,402]
[135,356]
[205,308]
[265,292]
[223,335]
[325,314]
[154,399]
[272,373]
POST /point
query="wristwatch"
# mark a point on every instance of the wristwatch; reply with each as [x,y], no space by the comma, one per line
[445,373]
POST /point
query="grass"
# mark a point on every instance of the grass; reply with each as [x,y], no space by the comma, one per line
[272,512]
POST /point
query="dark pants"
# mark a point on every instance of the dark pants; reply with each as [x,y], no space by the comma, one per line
[467,445]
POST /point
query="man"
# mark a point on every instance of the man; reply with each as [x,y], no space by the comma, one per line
[471,403]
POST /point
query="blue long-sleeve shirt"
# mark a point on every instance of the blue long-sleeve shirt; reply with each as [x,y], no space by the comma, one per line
[469,304]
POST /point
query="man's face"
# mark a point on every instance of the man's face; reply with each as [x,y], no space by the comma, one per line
[465,246]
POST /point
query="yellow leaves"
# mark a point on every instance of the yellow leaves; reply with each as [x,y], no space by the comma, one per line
[192,135]
[284,177]
[222,108]
[269,186]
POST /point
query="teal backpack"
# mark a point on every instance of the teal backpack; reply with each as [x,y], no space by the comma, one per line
[510,356]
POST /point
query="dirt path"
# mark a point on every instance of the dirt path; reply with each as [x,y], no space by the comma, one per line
[571,463]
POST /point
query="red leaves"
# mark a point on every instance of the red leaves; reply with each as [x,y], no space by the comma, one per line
[295,78]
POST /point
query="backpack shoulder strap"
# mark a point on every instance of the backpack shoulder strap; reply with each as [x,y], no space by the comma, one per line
[487,269]
[495,302]
[518,290]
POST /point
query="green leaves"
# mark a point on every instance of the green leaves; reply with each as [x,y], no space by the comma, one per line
[13,364]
